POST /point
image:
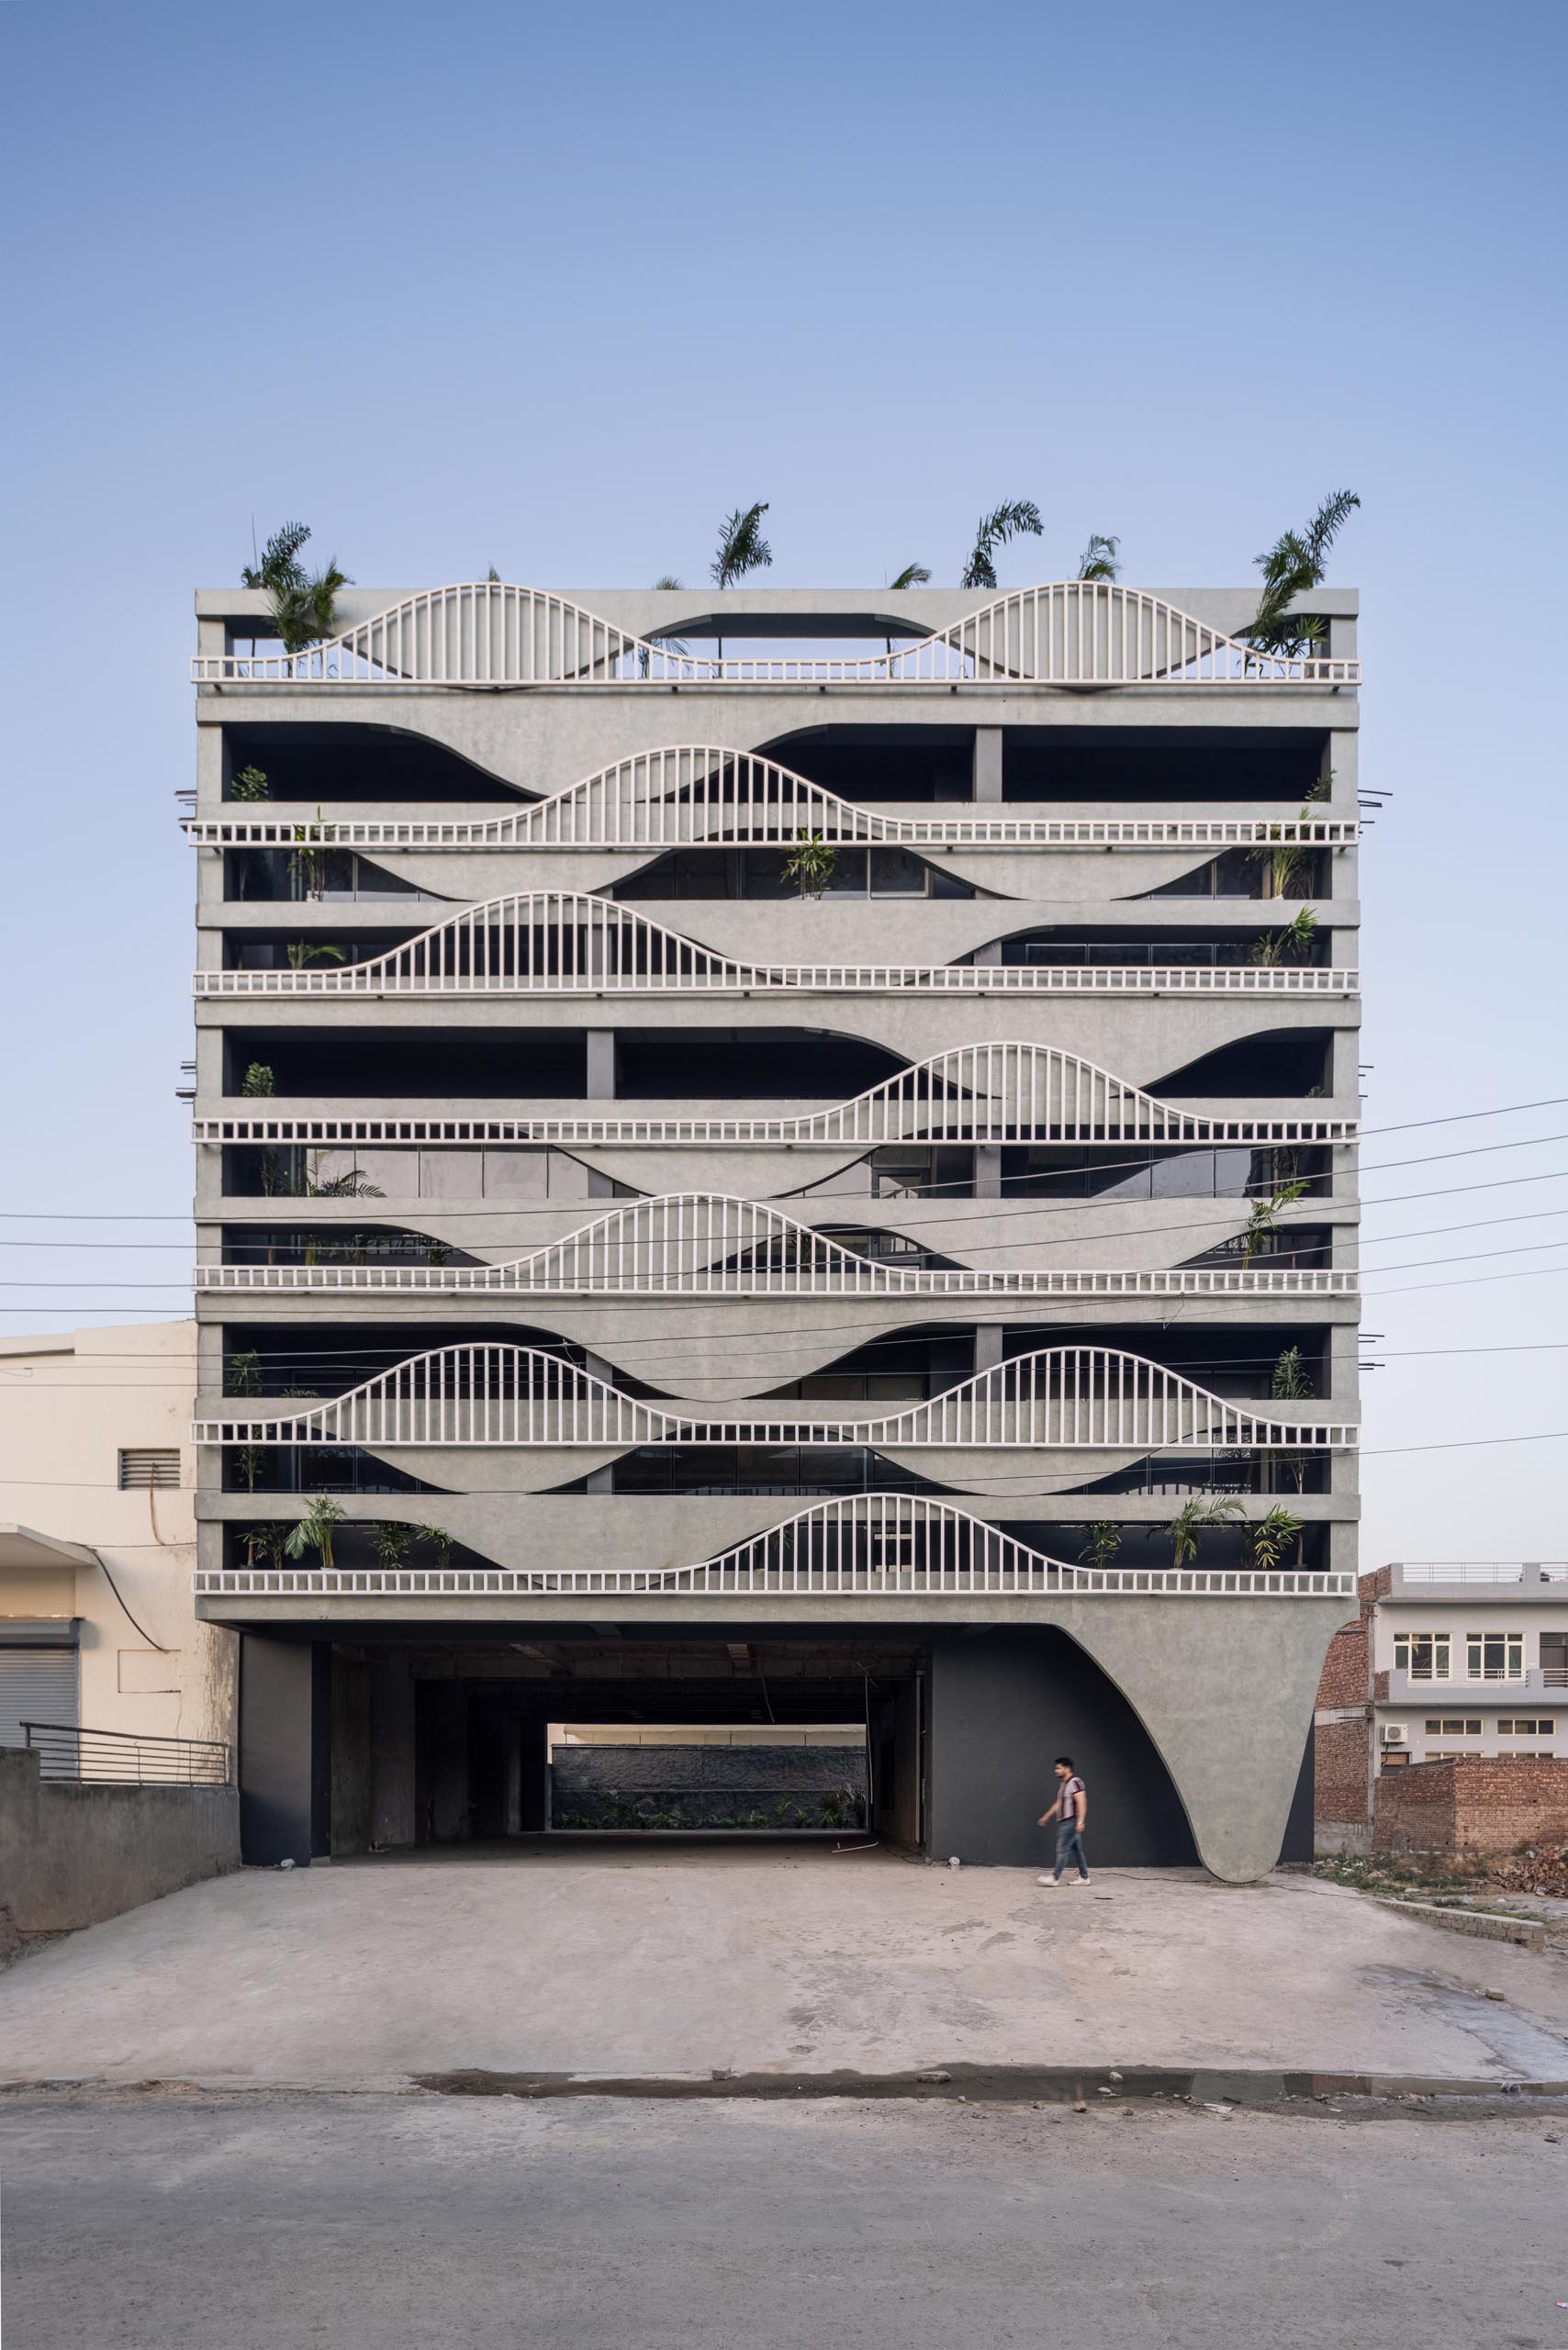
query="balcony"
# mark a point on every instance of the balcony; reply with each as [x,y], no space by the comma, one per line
[549,943]
[705,796]
[1488,1580]
[1070,633]
[878,1545]
[703,1244]
[511,1397]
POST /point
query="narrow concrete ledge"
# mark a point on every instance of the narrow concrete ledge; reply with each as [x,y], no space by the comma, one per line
[1485,1925]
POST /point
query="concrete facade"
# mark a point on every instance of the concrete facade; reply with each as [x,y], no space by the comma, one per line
[413,1127]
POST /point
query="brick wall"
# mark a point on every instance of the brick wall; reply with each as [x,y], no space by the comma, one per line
[1342,1727]
[1481,1804]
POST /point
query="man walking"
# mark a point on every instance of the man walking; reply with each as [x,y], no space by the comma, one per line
[1069,1811]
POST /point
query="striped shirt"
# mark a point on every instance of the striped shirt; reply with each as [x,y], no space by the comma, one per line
[1070,1791]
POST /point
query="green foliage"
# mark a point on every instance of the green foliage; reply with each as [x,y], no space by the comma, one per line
[439,1539]
[1291,1380]
[265,1542]
[1101,1540]
[1193,1519]
[810,863]
[1263,1216]
[742,546]
[1291,944]
[304,605]
[393,1540]
[280,566]
[303,951]
[314,1530]
[1100,559]
[1294,563]
[1270,1537]
[257,1082]
[244,1373]
[1018,517]
[668,579]
[913,575]
[251,783]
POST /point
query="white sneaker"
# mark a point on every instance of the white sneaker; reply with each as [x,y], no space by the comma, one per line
[1045,1880]
[1083,1880]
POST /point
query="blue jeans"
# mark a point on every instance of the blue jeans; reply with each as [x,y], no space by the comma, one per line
[1070,1847]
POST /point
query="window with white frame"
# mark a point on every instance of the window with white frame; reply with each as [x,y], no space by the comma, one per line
[1494,1656]
[1425,1656]
[1528,1726]
[1453,1725]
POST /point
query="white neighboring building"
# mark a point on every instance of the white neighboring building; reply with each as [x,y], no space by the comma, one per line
[97,1538]
[1470,1659]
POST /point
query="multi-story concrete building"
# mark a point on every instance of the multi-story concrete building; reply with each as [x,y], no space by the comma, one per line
[773,1150]
[1442,1663]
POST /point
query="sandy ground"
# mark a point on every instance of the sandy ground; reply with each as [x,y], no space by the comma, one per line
[637,1961]
[276,2222]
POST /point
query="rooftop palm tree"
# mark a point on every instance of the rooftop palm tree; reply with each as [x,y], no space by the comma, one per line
[1100,559]
[913,575]
[304,607]
[742,546]
[1294,563]
[1016,518]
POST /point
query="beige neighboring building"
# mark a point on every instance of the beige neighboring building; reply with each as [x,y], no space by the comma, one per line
[97,1538]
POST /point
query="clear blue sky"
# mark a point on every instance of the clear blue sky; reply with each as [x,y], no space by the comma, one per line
[553,288]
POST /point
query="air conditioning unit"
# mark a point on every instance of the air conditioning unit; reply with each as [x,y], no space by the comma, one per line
[1394,1734]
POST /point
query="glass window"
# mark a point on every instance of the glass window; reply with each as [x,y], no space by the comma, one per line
[1423,1655]
[1494,1656]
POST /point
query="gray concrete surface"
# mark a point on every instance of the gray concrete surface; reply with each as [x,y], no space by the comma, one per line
[369,2221]
[633,1962]
[72,1855]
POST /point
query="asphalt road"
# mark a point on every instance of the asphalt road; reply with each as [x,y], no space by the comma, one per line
[134,2221]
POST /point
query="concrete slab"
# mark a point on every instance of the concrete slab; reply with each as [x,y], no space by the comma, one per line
[633,1962]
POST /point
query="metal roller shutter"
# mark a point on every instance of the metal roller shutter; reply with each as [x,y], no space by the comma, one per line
[37,1684]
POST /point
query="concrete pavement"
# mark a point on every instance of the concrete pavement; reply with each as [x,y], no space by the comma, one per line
[633,1961]
[284,2223]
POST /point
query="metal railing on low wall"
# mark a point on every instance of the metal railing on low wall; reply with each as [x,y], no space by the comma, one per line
[126,1758]
[871,1546]
[1068,632]
[695,794]
[552,941]
[1061,1398]
[703,1244]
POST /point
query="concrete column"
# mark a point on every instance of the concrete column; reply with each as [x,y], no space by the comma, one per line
[391,1749]
[286,1753]
[989,1344]
[443,1706]
[351,1752]
[601,1084]
[988,763]
[534,1774]
[988,1170]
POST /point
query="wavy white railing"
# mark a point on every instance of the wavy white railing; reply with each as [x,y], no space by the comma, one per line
[497,1396]
[1002,1093]
[562,942]
[698,793]
[868,1545]
[1070,632]
[707,1243]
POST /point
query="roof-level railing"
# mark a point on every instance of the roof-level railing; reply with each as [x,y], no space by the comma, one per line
[507,1397]
[119,1758]
[1002,1093]
[869,1545]
[557,941]
[694,794]
[707,1243]
[486,633]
